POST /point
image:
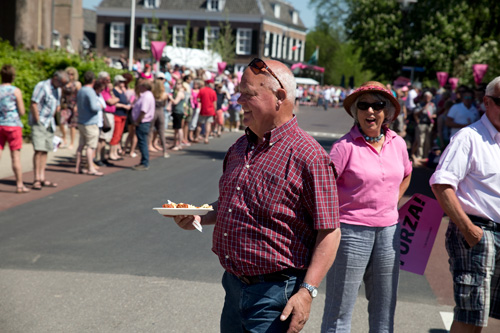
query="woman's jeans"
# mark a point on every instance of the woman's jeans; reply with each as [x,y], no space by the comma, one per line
[255,308]
[369,255]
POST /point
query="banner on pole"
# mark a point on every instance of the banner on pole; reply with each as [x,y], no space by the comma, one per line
[419,220]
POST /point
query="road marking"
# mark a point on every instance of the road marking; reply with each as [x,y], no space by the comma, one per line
[35,259]
[335,136]
[447,318]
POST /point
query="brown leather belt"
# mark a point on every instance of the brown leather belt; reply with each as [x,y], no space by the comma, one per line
[485,223]
[279,276]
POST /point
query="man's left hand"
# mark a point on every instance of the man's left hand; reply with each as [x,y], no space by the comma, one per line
[299,306]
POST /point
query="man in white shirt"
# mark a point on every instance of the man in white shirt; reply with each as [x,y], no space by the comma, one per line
[467,186]
[462,114]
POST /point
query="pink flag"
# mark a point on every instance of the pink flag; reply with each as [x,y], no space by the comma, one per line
[479,70]
[453,82]
[157,49]
[419,219]
[442,78]
[221,66]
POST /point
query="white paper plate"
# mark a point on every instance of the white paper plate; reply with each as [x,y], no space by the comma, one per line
[183,211]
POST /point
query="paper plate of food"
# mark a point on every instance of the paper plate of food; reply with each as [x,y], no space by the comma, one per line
[173,209]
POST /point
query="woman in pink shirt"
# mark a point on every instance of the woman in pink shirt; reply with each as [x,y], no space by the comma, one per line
[374,171]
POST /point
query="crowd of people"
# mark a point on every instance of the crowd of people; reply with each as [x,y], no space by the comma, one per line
[113,120]
[289,214]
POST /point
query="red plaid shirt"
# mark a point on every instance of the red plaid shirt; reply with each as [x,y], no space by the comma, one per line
[273,197]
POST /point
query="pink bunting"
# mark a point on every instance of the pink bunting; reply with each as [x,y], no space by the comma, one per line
[157,49]
[479,70]
[453,82]
[442,78]
[221,66]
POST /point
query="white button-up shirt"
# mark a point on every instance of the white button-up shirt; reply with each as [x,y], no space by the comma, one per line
[471,165]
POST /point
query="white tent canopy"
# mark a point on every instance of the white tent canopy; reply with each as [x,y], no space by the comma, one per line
[306,80]
[192,58]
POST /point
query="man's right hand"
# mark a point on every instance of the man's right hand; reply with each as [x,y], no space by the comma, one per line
[473,235]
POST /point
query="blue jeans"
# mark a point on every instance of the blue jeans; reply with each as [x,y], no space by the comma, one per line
[255,308]
[371,255]
[142,132]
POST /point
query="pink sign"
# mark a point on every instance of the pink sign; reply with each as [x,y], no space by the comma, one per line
[453,82]
[442,78]
[479,70]
[157,49]
[419,219]
[221,66]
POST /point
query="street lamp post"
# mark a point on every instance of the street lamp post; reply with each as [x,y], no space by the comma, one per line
[405,7]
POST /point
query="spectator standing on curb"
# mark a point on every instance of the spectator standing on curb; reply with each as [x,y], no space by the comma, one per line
[467,186]
[462,114]
[45,101]
[88,118]
[276,221]
[69,110]
[108,112]
[11,127]
[208,104]
[123,106]
[143,113]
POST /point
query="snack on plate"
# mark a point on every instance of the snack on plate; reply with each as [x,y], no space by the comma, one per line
[171,204]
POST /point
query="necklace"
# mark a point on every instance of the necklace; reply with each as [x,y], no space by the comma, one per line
[370,138]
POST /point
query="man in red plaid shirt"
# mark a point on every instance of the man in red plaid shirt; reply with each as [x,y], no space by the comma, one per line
[276,221]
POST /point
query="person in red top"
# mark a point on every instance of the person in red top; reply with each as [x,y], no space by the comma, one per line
[208,104]
[277,218]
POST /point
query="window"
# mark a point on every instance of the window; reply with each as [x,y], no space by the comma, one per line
[117,35]
[215,5]
[145,45]
[151,3]
[179,36]
[295,17]
[277,10]
[267,44]
[285,47]
[244,41]
[211,35]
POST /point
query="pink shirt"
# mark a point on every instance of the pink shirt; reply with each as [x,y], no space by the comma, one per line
[106,94]
[368,182]
[146,104]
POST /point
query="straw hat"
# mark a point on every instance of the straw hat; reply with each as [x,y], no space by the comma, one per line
[371,87]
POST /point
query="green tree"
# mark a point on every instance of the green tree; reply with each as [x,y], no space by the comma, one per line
[440,35]
[225,44]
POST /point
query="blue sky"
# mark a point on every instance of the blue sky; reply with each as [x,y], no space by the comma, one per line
[307,15]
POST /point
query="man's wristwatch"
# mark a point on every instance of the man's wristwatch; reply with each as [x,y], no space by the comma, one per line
[311,289]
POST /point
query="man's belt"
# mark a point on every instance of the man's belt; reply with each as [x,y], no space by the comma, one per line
[485,223]
[279,276]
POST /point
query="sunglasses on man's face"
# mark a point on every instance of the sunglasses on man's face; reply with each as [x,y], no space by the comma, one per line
[496,100]
[261,65]
[377,106]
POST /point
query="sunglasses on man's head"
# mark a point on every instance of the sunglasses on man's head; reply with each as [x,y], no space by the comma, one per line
[260,65]
[377,106]
[496,100]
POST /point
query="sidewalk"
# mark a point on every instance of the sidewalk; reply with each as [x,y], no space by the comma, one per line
[60,169]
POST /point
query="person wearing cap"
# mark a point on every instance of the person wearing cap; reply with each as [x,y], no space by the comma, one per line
[276,221]
[425,117]
[374,171]
[123,106]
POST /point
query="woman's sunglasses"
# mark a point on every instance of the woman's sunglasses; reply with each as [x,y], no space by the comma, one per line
[377,106]
[496,100]
[260,65]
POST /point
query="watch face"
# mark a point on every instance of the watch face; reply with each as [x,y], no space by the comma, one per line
[314,293]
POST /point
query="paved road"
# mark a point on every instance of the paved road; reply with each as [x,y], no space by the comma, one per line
[92,256]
